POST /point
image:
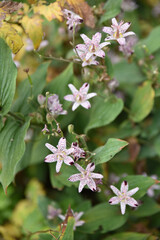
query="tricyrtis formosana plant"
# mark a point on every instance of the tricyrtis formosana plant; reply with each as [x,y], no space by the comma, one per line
[79,120]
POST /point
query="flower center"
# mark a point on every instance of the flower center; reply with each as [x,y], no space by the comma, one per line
[92,48]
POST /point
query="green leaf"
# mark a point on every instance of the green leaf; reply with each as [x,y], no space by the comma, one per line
[12,147]
[109,150]
[104,112]
[112,9]
[105,216]
[69,234]
[59,85]
[142,102]
[8,74]
[148,208]
[109,66]
[128,236]
[151,43]
[27,96]
[139,181]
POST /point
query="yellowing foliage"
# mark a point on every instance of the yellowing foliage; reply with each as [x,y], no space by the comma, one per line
[11,36]
[33,27]
[50,11]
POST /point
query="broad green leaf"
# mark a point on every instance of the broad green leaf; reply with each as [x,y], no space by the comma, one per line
[27,96]
[139,181]
[12,148]
[123,72]
[142,103]
[128,236]
[151,43]
[59,85]
[148,208]
[103,216]
[68,234]
[59,180]
[109,150]
[112,9]
[104,112]
[8,74]
[109,66]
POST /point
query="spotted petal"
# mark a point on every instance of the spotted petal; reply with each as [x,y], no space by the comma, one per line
[75,177]
[86,104]
[133,191]
[72,88]
[68,160]
[123,207]
[81,185]
[96,175]
[58,165]
[125,26]
[124,187]
[108,30]
[85,39]
[115,190]
[51,148]
[91,184]
[69,98]
[114,200]
[132,202]
[51,158]
[62,144]
[90,167]
[97,38]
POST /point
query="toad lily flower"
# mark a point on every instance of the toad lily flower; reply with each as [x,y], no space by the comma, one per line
[117,31]
[86,177]
[92,47]
[124,196]
[60,154]
[73,19]
[77,152]
[80,97]
[85,62]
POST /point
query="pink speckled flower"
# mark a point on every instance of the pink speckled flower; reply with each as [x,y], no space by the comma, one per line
[117,31]
[60,154]
[80,97]
[86,177]
[124,196]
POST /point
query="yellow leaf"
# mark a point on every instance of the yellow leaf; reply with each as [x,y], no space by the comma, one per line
[10,232]
[33,27]
[50,11]
[11,36]
[81,8]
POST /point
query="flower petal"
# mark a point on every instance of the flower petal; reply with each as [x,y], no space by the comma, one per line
[132,202]
[81,185]
[79,223]
[124,187]
[78,216]
[108,30]
[58,165]
[96,175]
[123,207]
[75,177]
[72,88]
[85,39]
[114,22]
[133,191]
[90,167]
[96,38]
[91,184]
[51,158]
[68,160]
[125,26]
[62,144]
[69,98]
[128,34]
[88,55]
[86,104]
[121,41]
[114,200]
[75,106]
[79,167]
[84,89]
[104,44]
[90,95]
[81,47]
[51,148]
[100,53]
[115,190]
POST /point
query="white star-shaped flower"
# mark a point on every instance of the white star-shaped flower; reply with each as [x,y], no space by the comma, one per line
[124,196]
[92,47]
[117,31]
[80,97]
[73,19]
[60,154]
[86,177]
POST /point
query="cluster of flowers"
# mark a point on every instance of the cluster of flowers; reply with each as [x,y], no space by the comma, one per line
[87,176]
[92,48]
